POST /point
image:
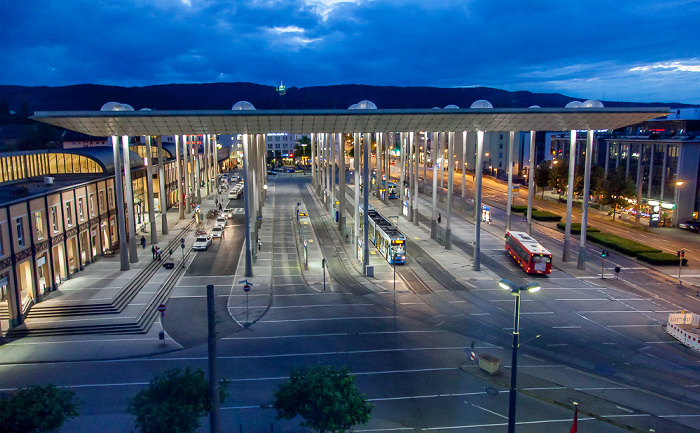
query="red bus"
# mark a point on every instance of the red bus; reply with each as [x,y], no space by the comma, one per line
[530,255]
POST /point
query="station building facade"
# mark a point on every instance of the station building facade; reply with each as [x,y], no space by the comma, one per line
[58,215]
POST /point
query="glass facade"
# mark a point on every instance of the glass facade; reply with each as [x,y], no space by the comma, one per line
[17,167]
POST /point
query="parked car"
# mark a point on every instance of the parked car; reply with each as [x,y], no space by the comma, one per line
[220,222]
[217,232]
[201,243]
[693,226]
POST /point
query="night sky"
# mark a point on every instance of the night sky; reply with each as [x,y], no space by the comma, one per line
[626,50]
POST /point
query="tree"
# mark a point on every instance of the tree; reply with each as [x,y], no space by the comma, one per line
[559,176]
[37,409]
[616,188]
[325,397]
[174,401]
[542,174]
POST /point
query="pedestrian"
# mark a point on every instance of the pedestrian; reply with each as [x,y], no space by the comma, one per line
[439,217]
[153,251]
[217,201]
[143,242]
[259,244]
[220,207]
[159,254]
[617,272]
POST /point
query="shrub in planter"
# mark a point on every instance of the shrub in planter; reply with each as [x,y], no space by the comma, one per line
[661,259]
[543,215]
[576,228]
[618,243]
[520,208]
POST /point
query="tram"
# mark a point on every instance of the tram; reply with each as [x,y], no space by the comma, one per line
[528,253]
[390,242]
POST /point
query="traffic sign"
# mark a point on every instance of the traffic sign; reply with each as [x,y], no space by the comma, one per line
[246,288]
[472,356]
[161,308]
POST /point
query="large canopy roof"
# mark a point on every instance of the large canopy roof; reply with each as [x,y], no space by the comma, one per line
[229,122]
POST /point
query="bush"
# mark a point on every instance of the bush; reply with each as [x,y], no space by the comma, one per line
[661,259]
[174,401]
[594,206]
[543,215]
[576,228]
[37,409]
[618,243]
[520,208]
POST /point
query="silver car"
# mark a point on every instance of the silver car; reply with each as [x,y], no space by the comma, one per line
[201,243]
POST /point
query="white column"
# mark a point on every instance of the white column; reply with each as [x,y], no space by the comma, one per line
[640,176]
[416,148]
[434,152]
[119,199]
[162,194]
[149,191]
[356,181]
[450,187]
[129,193]
[331,206]
[531,183]
[651,170]
[586,193]
[511,142]
[207,163]
[401,191]
[441,155]
[411,174]
[246,203]
[464,169]
[313,161]
[341,187]
[186,173]
[365,198]
[569,195]
[180,185]
[663,171]
[378,177]
[477,199]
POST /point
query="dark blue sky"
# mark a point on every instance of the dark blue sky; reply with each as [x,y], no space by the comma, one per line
[632,50]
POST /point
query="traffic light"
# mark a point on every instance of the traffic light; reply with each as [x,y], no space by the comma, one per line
[603,254]
[682,253]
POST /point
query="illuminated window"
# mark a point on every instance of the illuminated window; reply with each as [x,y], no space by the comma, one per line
[102,200]
[54,218]
[91,205]
[39,224]
[81,215]
[20,233]
[69,216]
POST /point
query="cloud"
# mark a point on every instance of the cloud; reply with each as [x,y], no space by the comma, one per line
[581,46]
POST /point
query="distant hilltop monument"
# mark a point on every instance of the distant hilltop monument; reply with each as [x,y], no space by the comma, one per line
[281,89]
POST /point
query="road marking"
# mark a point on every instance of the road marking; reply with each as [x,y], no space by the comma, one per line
[566,327]
[489,411]
[320,305]
[534,313]
[328,318]
[557,345]
[480,314]
[633,326]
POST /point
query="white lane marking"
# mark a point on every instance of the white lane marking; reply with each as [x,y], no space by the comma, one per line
[632,326]
[335,334]
[534,313]
[605,388]
[489,411]
[329,318]
[557,345]
[566,327]
[320,305]
[480,314]
[412,397]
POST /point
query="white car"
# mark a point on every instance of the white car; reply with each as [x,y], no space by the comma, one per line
[235,193]
[217,232]
[220,222]
[227,212]
[201,243]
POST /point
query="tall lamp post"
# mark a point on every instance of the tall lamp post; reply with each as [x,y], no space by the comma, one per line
[515,291]
[676,200]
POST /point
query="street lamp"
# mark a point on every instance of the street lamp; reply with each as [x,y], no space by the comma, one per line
[676,200]
[515,291]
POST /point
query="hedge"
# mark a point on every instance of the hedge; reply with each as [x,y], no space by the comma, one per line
[543,215]
[576,228]
[661,259]
[618,243]
[520,208]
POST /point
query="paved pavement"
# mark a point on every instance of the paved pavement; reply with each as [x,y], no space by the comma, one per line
[315,234]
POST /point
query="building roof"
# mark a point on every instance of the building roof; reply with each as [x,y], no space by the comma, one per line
[134,123]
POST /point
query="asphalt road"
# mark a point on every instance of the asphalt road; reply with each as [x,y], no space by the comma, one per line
[407,348]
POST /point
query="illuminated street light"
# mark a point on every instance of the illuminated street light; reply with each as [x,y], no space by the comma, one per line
[515,291]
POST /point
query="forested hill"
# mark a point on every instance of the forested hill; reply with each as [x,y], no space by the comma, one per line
[221,96]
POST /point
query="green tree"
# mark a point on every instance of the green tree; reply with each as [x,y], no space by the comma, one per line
[174,402]
[616,189]
[37,409]
[542,174]
[325,397]
[559,176]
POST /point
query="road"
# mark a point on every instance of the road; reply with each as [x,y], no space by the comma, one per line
[597,341]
